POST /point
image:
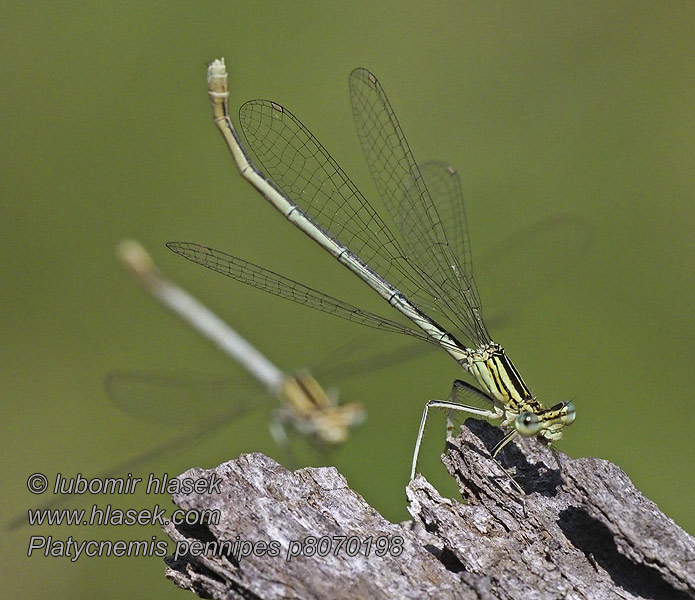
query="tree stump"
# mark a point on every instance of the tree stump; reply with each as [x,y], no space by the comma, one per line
[583,533]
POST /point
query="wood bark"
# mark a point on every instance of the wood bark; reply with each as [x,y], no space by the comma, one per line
[584,533]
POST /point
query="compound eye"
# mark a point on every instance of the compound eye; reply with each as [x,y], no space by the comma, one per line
[527,424]
[570,414]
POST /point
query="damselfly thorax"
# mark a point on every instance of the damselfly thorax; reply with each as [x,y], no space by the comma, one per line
[500,380]
[315,412]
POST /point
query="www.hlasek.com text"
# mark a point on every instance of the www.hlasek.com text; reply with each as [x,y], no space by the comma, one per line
[108,515]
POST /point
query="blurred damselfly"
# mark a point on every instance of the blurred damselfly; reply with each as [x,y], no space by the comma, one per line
[305,405]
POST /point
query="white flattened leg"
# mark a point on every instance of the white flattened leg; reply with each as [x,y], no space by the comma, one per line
[452,405]
[501,444]
[278,431]
[556,456]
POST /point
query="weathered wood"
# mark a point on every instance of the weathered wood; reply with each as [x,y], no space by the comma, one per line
[587,533]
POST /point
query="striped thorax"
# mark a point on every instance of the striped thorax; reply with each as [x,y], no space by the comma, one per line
[513,401]
[498,377]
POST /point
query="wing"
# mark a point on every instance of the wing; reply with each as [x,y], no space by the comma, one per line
[533,259]
[183,401]
[268,281]
[444,185]
[311,178]
[405,193]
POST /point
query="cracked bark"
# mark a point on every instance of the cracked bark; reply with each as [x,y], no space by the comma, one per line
[585,533]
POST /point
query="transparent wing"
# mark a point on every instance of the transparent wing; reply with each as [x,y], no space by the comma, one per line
[187,402]
[266,280]
[444,185]
[405,194]
[532,260]
[298,164]
[364,355]
[528,262]
[544,252]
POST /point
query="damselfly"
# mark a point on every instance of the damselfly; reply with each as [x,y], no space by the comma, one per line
[425,276]
[305,405]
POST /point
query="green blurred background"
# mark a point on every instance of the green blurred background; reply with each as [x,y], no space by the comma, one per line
[564,107]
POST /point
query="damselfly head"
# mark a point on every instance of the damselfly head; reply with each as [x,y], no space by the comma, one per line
[333,425]
[546,425]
